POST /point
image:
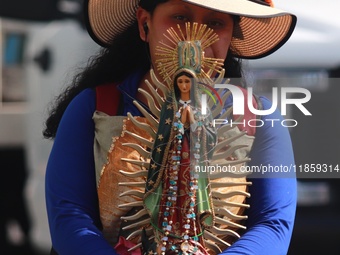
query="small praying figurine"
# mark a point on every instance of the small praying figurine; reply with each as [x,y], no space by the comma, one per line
[184,206]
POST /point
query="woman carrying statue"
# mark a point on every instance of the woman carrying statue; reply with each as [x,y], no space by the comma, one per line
[96,138]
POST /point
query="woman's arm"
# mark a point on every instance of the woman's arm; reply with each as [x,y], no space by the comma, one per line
[273,197]
[71,193]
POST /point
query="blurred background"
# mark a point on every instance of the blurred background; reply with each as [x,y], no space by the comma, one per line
[43,44]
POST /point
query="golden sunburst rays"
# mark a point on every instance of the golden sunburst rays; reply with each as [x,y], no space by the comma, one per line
[186,50]
[229,189]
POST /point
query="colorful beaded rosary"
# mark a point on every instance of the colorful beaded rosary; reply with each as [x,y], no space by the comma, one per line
[189,244]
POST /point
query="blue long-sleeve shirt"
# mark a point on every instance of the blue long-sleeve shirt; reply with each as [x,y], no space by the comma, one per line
[71,194]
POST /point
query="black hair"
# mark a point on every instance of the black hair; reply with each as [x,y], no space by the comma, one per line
[150,6]
[112,65]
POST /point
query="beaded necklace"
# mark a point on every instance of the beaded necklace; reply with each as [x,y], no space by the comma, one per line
[189,236]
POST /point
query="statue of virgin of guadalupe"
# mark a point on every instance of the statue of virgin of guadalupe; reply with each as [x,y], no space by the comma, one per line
[169,201]
[179,198]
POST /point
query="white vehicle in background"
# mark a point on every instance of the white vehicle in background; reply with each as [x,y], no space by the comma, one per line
[69,48]
[42,50]
[311,59]
[52,49]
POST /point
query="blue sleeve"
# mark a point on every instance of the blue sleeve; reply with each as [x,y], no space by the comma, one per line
[273,198]
[71,194]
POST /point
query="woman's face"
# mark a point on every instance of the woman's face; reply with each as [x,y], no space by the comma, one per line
[175,12]
[184,84]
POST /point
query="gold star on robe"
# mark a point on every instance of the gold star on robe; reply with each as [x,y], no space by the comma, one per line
[160,137]
[168,121]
